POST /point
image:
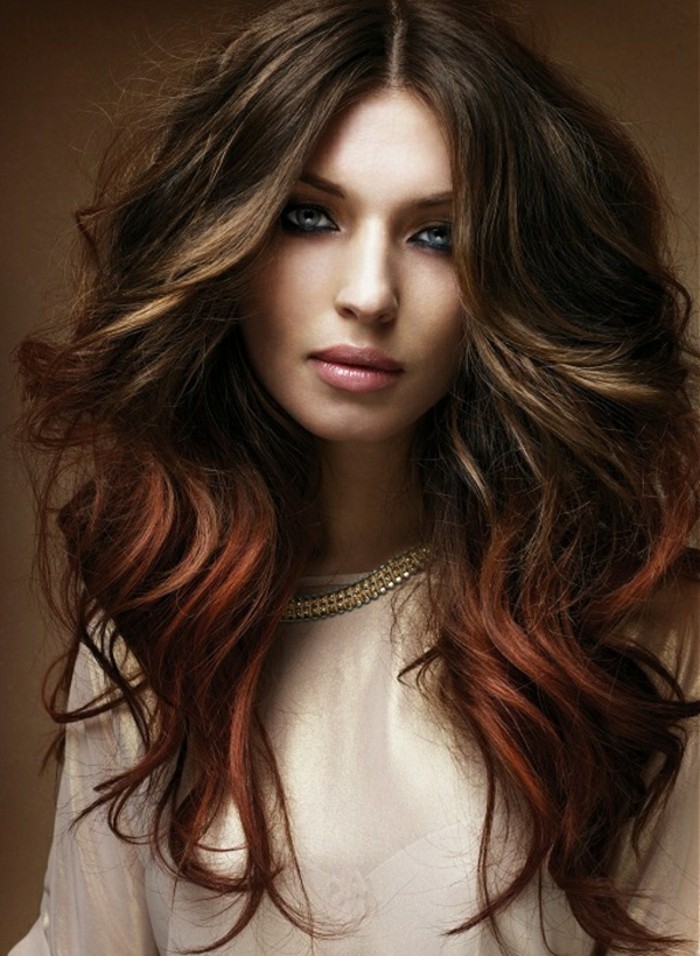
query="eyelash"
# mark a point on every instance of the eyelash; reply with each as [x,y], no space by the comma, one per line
[295,228]
[295,207]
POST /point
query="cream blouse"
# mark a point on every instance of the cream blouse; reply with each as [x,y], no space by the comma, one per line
[386,814]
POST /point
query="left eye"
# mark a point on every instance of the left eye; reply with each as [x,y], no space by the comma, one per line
[300,218]
[437,237]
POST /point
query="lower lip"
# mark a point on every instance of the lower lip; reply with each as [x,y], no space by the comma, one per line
[354,378]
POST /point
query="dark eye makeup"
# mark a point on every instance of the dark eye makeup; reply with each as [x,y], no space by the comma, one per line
[304,218]
[437,237]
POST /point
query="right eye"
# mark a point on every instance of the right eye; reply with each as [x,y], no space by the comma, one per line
[302,217]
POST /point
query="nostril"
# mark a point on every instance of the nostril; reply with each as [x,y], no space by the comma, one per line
[379,309]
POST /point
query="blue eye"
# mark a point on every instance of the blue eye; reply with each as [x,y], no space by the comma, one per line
[301,217]
[437,237]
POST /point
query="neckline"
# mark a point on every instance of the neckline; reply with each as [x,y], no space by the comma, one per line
[335,597]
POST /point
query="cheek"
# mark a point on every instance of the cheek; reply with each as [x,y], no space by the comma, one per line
[300,269]
[286,293]
[443,326]
[447,363]
[448,351]
[266,315]
[431,282]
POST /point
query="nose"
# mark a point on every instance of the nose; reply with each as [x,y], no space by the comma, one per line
[367,291]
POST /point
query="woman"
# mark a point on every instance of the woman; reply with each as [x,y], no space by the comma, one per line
[376,406]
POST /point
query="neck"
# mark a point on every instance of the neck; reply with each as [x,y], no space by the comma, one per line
[369,506]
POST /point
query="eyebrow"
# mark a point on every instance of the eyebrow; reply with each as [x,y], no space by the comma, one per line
[333,189]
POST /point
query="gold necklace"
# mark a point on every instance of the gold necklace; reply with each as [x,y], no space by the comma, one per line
[395,571]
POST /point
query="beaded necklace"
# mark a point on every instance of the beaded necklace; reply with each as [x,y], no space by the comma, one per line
[368,588]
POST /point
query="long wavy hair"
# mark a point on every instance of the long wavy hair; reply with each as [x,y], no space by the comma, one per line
[557,475]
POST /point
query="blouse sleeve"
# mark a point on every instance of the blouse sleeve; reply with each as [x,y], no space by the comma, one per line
[666,875]
[94,898]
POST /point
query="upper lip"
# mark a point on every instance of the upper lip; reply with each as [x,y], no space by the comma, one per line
[354,355]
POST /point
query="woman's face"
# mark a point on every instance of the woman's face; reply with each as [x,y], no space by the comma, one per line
[355,323]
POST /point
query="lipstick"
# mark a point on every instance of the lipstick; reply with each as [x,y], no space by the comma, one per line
[354,369]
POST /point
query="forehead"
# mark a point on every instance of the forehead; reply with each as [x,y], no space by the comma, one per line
[391,138]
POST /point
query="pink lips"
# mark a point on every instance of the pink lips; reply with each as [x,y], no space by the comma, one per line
[354,369]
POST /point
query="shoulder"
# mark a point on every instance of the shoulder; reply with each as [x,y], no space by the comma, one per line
[669,626]
[102,720]
[662,871]
[90,682]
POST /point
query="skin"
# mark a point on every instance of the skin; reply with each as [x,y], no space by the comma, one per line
[362,258]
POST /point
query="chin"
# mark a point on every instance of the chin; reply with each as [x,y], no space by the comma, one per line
[359,433]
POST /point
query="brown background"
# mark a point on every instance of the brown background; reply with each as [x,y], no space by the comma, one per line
[63,66]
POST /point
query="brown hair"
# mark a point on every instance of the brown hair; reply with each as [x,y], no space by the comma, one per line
[558,474]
